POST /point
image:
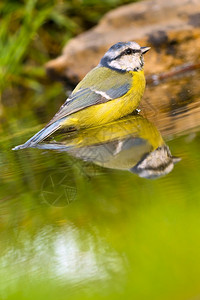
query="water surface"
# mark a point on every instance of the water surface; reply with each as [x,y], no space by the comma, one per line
[76,226]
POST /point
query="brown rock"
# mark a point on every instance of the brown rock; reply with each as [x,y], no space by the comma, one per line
[173,106]
[171,28]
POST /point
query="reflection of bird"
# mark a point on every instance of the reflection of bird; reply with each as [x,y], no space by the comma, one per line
[131,143]
[108,92]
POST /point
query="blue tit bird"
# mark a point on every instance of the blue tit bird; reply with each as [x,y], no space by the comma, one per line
[108,92]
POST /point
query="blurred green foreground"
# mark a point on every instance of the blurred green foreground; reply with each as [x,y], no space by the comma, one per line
[70,229]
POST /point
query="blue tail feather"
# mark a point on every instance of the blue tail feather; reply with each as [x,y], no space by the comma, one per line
[39,136]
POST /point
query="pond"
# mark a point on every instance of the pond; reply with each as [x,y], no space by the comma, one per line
[107,213]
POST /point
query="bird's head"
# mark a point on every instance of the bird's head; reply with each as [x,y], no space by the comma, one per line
[155,164]
[124,57]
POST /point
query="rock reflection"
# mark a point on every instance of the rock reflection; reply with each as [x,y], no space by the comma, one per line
[131,143]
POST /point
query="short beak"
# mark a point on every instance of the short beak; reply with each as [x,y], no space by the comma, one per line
[145,49]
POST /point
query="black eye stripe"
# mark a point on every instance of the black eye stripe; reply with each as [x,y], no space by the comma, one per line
[128,51]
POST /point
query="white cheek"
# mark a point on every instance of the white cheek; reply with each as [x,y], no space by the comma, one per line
[134,62]
[115,64]
[127,63]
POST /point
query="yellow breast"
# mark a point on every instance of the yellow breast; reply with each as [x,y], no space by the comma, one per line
[113,109]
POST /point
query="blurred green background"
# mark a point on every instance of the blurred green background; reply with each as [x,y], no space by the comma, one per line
[109,234]
[31,33]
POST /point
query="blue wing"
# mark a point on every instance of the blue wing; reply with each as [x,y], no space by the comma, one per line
[99,86]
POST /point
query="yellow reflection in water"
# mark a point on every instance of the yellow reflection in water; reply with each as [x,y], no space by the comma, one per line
[131,143]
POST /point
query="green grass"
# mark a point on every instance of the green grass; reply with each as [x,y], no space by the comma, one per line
[34,31]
